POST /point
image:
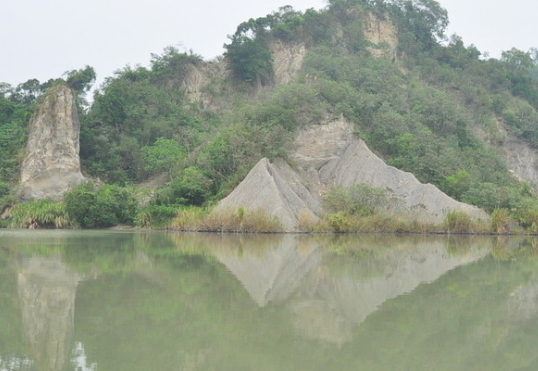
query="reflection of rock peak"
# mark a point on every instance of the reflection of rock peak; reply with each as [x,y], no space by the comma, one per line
[274,274]
[47,290]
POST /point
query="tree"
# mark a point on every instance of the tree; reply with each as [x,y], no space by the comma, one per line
[165,155]
[519,67]
[248,52]
[250,59]
[421,22]
[81,80]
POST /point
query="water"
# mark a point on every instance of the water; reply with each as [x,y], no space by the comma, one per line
[121,300]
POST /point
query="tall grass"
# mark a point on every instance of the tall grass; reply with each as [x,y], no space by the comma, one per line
[39,214]
[190,219]
[457,221]
[373,223]
[500,221]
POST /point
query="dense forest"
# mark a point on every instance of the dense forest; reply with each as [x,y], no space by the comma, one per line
[436,107]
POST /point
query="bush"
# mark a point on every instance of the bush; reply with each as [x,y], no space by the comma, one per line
[107,206]
[191,187]
[528,218]
[339,222]
[359,199]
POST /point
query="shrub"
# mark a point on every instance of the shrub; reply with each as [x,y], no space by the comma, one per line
[358,199]
[4,189]
[191,187]
[339,222]
[100,208]
[528,218]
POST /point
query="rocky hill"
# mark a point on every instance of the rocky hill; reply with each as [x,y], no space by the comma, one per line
[329,154]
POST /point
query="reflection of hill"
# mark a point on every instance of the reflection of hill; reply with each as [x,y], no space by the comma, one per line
[332,300]
[273,274]
[523,302]
[47,290]
[332,306]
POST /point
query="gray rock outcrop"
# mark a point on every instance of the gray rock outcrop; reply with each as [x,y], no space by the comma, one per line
[287,60]
[521,159]
[330,155]
[51,163]
[276,189]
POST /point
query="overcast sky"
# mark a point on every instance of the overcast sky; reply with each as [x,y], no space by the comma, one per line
[44,38]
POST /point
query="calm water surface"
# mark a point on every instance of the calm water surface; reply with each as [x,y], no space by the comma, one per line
[119,300]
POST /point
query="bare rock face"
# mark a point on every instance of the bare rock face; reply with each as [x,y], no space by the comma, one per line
[521,159]
[287,60]
[330,155]
[199,77]
[382,33]
[51,165]
[423,202]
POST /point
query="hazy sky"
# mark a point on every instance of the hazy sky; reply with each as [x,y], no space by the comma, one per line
[44,38]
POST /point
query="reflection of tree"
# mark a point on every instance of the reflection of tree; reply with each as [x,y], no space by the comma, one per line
[47,290]
[16,363]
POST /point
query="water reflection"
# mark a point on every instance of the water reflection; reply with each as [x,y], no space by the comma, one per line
[47,291]
[331,301]
[139,301]
[273,273]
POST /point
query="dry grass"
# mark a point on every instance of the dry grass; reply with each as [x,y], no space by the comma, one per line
[460,222]
[238,221]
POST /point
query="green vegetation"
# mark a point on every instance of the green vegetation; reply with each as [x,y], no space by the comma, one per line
[436,108]
[106,206]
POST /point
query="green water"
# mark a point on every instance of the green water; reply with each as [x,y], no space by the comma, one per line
[121,300]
